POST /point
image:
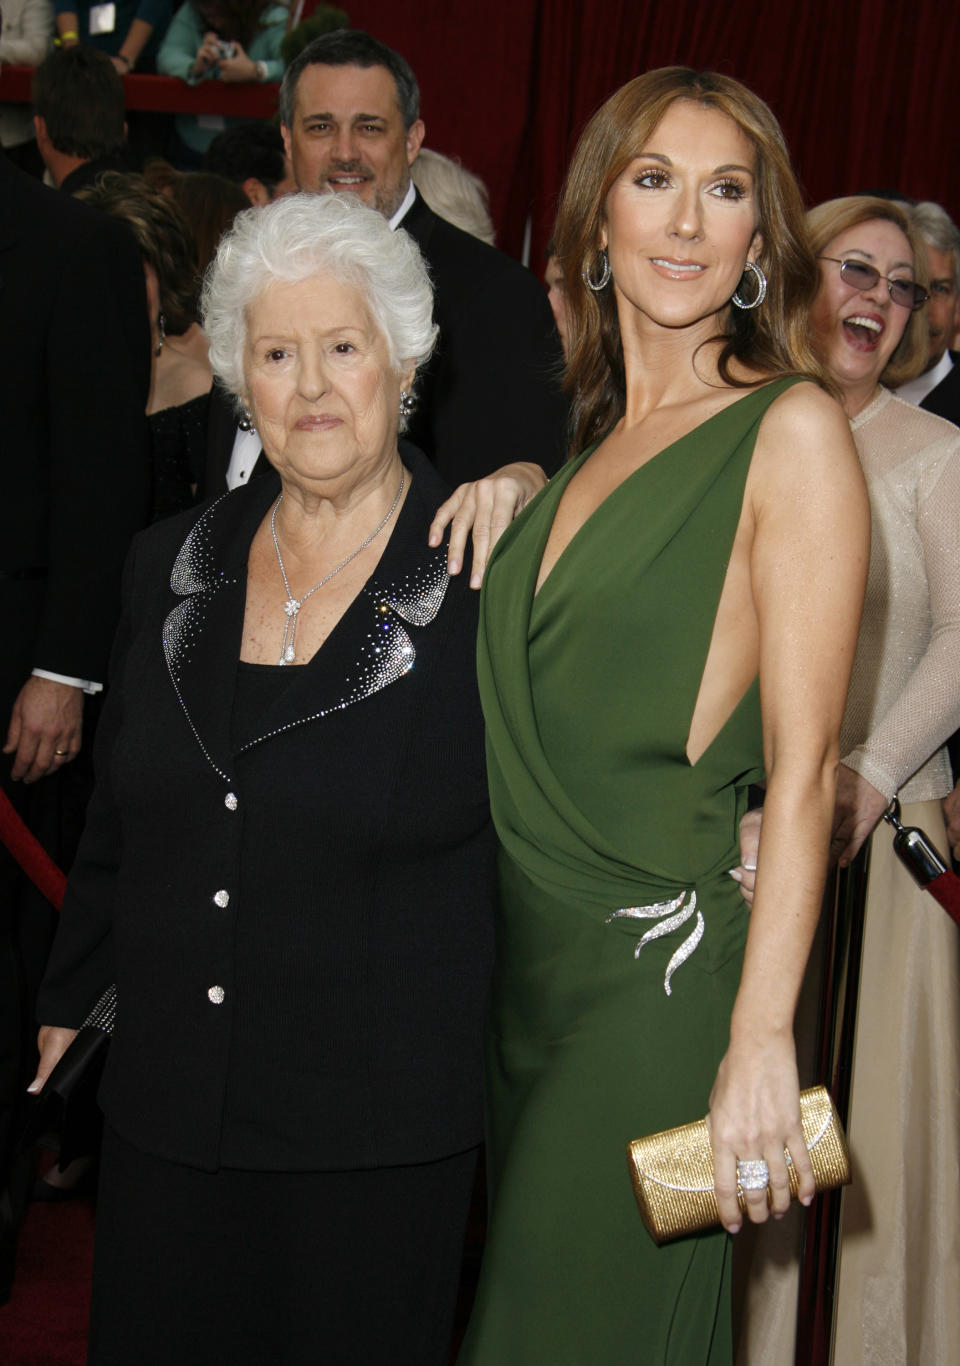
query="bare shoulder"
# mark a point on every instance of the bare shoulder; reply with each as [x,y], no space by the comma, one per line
[804,444]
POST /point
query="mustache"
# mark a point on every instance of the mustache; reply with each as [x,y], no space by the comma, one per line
[353,167]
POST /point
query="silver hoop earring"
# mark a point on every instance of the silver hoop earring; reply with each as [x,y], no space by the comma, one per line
[605,272]
[761,294]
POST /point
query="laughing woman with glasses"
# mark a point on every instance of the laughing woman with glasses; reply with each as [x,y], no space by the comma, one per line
[899,1283]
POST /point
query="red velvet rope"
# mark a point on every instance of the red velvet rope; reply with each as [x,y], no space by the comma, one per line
[27,850]
[946,889]
[167,94]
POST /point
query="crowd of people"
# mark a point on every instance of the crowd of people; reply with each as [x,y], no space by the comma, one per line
[382,867]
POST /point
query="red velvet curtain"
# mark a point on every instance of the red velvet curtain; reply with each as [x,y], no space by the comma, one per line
[866,90]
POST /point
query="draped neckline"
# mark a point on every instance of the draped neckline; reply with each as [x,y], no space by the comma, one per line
[563,480]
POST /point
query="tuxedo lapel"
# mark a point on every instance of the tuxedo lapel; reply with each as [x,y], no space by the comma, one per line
[378,633]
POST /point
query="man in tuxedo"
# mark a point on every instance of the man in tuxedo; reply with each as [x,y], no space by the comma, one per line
[938,388]
[74,376]
[350,111]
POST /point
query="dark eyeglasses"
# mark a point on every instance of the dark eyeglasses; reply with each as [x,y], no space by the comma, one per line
[858,275]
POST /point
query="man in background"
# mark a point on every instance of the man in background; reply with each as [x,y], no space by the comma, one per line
[350,111]
[74,376]
[252,155]
[79,116]
[938,388]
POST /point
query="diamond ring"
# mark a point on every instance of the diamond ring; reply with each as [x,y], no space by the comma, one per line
[753,1175]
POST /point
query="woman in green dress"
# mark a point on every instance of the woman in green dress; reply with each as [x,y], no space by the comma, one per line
[671,618]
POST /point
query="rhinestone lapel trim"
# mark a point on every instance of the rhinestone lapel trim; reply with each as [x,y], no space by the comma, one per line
[387,653]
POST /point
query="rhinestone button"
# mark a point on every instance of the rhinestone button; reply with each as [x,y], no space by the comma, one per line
[230,801]
[216,995]
[222,898]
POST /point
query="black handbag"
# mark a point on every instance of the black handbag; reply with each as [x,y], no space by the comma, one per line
[67,1105]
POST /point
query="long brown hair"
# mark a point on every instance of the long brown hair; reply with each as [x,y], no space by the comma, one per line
[163,237]
[834,216]
[772,339]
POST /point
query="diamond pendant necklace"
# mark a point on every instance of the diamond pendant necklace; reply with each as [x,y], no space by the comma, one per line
[292,605]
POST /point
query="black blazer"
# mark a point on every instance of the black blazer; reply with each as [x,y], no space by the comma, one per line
[74,377]
[332,879]
[491,391]
[944,400]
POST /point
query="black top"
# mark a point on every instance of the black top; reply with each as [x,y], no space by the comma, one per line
[258,687]
[299,928]
[178,439]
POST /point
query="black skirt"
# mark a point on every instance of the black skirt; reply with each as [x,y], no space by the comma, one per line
[344,1268]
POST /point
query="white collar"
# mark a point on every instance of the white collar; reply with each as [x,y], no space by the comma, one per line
[405,207]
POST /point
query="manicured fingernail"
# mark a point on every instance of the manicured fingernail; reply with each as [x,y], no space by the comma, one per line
[750,867]
[34,1087]
[735,873]
[807,1200]
[434,538]
[476,580]
[453,566]
[733,1228]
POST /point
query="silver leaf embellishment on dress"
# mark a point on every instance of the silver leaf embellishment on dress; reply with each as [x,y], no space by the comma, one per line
[670,915]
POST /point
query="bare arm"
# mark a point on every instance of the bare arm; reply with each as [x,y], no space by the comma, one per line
[68,28]
[138,35]
[808,568]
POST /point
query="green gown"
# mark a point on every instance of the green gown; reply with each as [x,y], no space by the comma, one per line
[588,692]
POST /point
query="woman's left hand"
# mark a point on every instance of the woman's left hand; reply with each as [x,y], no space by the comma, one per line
[859,807]
[754,1114]
[487,506]
[237,68]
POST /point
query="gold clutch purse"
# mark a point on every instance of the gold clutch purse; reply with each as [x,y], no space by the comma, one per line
[672,1171]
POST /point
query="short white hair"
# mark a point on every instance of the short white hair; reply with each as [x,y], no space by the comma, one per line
[455,193]
[301,235]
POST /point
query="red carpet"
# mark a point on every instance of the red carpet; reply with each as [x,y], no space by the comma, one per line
[45,1323]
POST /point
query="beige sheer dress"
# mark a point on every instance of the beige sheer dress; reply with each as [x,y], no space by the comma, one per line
[898,1300]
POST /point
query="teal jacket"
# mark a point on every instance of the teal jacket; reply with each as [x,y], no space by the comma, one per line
[180,46]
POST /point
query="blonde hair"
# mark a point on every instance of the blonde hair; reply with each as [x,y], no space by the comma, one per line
[455,193]
[834,216]
[773,339]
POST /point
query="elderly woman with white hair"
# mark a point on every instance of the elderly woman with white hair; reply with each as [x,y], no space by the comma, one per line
[288,863]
